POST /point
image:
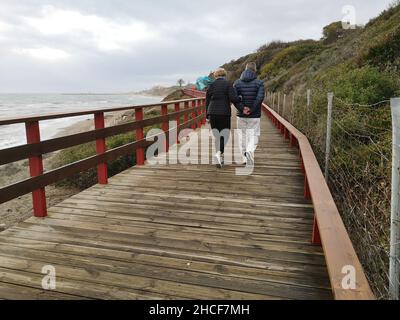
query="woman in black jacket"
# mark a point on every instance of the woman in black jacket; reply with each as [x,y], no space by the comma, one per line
[220,95]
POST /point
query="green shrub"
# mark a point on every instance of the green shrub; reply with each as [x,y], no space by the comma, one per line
[385,53]
[289,57]
[366,85]
[333,32]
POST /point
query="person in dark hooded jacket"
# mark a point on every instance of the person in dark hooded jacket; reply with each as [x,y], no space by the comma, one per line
[252,92]
[219,97]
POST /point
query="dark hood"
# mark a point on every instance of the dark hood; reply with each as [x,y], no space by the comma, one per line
[248,76]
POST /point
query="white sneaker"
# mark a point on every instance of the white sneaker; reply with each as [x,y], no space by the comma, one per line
[250,158]
[244,161]
[218,159]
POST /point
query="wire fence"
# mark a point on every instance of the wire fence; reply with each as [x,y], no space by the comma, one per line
[359,170]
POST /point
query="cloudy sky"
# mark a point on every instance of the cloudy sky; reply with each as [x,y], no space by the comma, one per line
[125,45]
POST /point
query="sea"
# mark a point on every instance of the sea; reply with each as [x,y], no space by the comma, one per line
[17,105]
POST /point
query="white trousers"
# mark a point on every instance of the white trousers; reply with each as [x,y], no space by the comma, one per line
[249,133]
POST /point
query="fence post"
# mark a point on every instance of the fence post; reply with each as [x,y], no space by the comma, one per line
[293,102]
[139,136]
[102,173]
[36,169]
[394,263]
[328,135]
[273,101]
[308,109]
[279,102]
[284,105]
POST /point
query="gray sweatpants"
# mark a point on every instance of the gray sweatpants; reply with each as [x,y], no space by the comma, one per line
[249,132]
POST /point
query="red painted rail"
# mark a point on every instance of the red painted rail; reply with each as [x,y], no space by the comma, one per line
[34,150]
[329,230]
[194,93]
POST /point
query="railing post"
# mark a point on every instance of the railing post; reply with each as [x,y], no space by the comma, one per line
[139,136]
[307,193]
[186,116]
[292,141]
[194,115]
[203,106]
[102,173]
[36,169]
[315,238]
[178,121]
[165,127]
[293,104]
[284,105]
[328,135]
[394,263]
[286,134]
[199,113]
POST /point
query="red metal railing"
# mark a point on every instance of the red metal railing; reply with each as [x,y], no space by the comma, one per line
[34,150]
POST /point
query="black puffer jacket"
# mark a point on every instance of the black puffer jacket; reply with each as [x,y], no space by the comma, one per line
[219,97]
[252,91]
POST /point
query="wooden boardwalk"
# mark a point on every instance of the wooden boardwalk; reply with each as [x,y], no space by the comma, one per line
[176,232]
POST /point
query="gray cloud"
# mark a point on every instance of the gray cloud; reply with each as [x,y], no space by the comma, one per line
[120,45]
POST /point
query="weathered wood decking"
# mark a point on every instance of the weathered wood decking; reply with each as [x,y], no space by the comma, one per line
[176,232]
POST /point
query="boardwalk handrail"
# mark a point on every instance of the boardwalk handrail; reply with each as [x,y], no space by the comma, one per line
[194,93]
[329,230]
[194,117]
[58,115]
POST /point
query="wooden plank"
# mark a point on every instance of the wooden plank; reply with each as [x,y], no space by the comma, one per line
[71,286]
[172,216]
[10,291]
[195,241]
[239,236]
[24,239]
[180,262]
[128,275]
